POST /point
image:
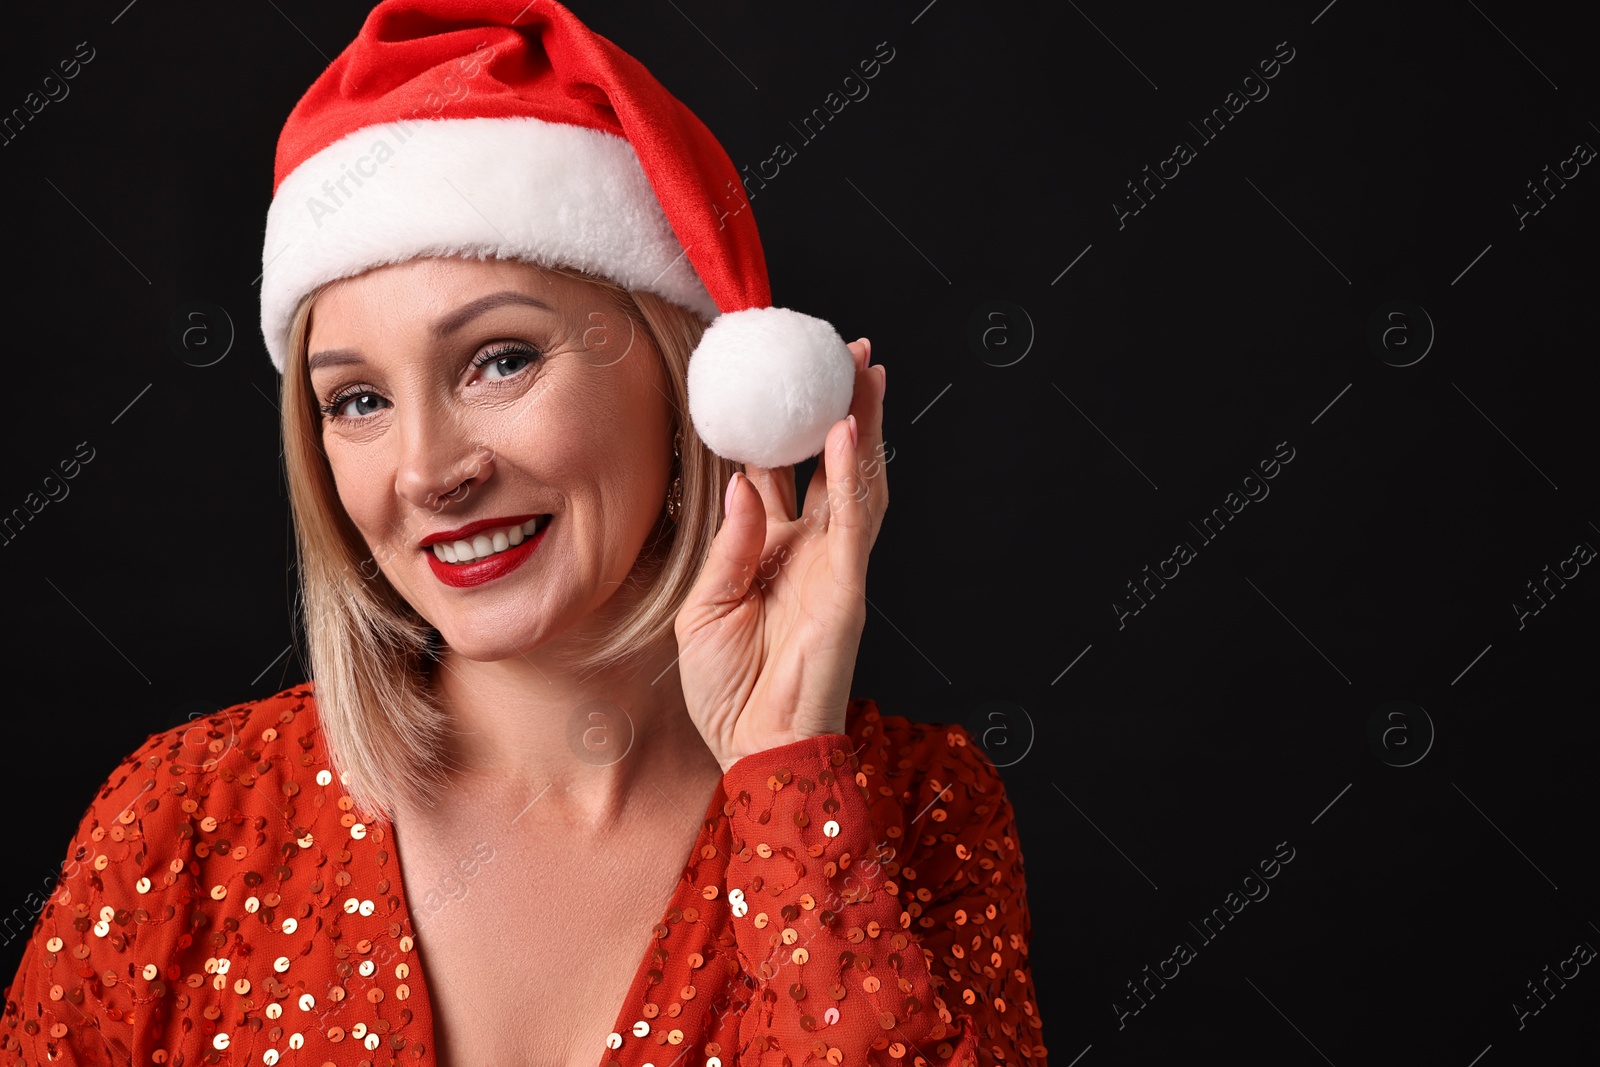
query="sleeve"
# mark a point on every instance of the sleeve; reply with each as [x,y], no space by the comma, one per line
[872,946]
[79,992]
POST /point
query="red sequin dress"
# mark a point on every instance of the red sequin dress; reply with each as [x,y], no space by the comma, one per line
[853,898]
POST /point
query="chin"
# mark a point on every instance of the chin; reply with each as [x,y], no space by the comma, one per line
[490,635]
[483,641]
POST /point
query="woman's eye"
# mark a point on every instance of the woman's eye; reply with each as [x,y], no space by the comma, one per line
[504,366]
[358,405]
[504,363]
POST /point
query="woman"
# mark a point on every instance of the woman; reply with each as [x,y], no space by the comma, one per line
[588,678]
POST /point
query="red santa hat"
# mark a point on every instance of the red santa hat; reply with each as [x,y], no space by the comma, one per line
[509,129]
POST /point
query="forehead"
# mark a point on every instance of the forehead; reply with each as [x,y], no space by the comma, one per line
[421,292]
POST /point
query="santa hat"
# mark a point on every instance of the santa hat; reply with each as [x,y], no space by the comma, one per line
[509,129]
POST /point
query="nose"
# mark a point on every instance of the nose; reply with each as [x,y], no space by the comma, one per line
[441,464]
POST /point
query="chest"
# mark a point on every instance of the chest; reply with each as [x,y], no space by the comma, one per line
[529,947]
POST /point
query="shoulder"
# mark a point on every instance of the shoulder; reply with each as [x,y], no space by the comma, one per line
[221,786]
[164,867]
[934,793]
[224,756]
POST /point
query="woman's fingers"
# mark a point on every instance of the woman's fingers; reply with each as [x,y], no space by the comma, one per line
[777,488]
[862,472]
[778,485]
[861,349]
[735,553]
[849,491]
[850,521]
[871,461]
[815,517]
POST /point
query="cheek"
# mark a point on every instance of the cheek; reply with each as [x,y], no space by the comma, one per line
[639,430]
[358,479]
[589,437]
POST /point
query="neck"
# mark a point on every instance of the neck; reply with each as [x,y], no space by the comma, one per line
[584,750]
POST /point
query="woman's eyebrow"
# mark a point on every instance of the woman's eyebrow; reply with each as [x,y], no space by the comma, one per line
[333,357]
[338,357]
[467,312]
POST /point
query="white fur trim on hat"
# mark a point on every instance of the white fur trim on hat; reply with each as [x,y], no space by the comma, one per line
[766,384]
[514,188]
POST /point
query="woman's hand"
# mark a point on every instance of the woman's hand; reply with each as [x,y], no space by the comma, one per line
[768,636]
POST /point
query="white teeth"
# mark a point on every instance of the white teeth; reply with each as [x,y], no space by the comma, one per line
[485,544]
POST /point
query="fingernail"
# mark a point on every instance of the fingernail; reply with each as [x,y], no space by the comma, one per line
[868,346]
[727,496]
[852,421]
[883,378]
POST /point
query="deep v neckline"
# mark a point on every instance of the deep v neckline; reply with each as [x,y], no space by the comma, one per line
[682,893]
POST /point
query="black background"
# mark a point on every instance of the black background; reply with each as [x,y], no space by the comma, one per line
[1181,347]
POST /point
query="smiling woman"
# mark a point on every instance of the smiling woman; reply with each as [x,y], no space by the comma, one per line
[484,375]
[541,468]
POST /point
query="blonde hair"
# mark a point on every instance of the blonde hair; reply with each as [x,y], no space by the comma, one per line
[371,654]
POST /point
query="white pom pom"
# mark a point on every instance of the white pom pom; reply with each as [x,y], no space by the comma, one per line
[765,385]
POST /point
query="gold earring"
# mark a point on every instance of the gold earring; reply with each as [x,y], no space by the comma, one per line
[675,493]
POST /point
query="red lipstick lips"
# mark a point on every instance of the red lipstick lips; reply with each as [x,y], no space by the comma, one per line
[479,571]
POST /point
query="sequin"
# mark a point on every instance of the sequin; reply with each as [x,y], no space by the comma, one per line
[214,896]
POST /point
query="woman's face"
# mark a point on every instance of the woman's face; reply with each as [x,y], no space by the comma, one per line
[467,402]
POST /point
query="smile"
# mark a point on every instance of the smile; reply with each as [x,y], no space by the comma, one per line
[488,542]
[480,553]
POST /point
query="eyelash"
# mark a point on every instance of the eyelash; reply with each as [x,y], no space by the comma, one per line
[499,351]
